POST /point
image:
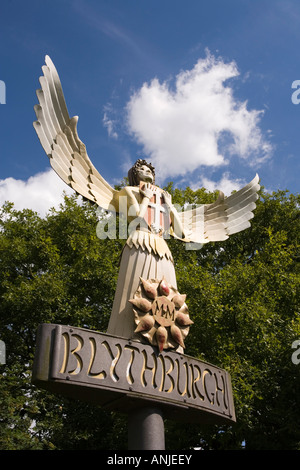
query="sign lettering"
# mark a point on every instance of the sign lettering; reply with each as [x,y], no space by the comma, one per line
[102,362]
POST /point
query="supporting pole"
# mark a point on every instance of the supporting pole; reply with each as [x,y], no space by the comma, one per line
[146,429]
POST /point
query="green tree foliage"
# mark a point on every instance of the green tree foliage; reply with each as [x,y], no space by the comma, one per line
[243,295]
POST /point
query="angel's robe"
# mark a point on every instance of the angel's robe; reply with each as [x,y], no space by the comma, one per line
[145,255]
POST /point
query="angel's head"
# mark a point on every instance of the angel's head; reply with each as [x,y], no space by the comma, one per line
[141,171]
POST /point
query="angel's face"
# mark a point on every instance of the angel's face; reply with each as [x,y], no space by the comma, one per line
[144,174]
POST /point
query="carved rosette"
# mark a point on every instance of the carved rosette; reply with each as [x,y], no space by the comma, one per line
[160,314]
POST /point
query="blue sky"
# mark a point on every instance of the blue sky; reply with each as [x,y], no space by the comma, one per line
[201,89]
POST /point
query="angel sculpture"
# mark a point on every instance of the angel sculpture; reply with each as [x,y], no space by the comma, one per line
[147,305]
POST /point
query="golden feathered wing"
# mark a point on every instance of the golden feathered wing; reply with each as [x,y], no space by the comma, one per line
[57,133]
[226,216]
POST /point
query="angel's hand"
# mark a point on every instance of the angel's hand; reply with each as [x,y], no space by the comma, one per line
[147,190]
[167,198]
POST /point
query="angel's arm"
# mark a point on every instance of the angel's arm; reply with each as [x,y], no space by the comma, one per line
[176,224]
[137,200]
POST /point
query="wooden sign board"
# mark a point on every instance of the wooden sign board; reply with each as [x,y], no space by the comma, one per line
[122,375]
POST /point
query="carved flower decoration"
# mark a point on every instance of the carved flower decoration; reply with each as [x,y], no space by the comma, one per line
[161,314]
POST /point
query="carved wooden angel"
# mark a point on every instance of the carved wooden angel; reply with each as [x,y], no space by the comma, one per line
[147,304]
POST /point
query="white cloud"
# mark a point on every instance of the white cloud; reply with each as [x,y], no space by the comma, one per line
[109,123]
[199,123]
[226,185]
[39,193]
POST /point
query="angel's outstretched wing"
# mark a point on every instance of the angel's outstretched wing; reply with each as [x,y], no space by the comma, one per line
[219,220]
[58,135]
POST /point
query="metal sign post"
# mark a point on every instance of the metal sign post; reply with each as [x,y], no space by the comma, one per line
[146,429]
[2,352]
